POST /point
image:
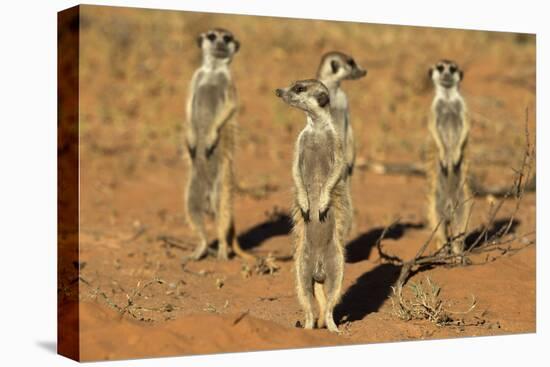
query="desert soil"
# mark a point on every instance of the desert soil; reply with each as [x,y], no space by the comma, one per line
[135,65]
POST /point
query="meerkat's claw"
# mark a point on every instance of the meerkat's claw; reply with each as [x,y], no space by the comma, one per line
[324,203]
[303,203]
[211,142]
[444,167]
[350,169]
[323,215]
[305,215]
[208,151]
[192,151]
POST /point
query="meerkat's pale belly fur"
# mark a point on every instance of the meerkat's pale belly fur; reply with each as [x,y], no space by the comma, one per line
[315,164]
[207,101]
[449,125]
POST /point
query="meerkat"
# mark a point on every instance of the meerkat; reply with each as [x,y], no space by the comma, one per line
[334,68]
[450,199]
[320,215]
[210,140]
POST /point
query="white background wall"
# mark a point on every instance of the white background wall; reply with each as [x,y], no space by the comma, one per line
[28,180]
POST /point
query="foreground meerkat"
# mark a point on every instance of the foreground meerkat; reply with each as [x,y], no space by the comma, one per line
[210,139]
[320,215]
[450,199]
[334,68]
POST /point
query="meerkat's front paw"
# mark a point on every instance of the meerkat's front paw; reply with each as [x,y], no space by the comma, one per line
[350,169]
[324,203]
[457,159]
[211,141]
[444,167]
[191,143]
[304,208]
[192,151]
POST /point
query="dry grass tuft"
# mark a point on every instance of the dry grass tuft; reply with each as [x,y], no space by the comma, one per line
[426,303]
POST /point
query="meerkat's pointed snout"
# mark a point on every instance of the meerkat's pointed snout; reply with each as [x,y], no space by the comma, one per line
[279,92]
[358,73]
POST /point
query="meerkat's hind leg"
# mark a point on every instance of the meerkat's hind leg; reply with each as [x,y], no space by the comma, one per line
[304,285]
[225,221]
[436,219]
[459,226]
[224,212]
[194,208]
[440,236]
[319,294]
[333,284]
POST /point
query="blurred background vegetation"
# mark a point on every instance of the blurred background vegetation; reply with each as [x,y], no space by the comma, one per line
[135,65]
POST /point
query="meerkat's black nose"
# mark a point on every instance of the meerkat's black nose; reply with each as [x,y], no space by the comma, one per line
[279,92]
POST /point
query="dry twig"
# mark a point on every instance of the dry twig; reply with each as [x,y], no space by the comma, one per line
[502,240]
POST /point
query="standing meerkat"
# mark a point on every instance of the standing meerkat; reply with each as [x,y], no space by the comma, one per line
[334,68]
[320,212]
[210,140]
[449,204]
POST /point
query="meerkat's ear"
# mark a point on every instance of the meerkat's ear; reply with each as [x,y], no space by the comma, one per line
[237,45]
[334,65]
[461,74]
[323,99]
[199,40]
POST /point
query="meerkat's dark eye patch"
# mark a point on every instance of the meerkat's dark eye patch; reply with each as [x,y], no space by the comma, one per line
[351,62]
[440,68]
[299,88]
[227,38]
[211,36]
[453,69]
[323,99]
[335,66]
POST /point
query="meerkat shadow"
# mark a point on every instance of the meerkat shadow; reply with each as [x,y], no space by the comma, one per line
[279,225]
[359,248]
[496,230]
[367,294]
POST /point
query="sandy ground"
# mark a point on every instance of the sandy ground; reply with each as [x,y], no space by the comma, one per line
[135,66]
